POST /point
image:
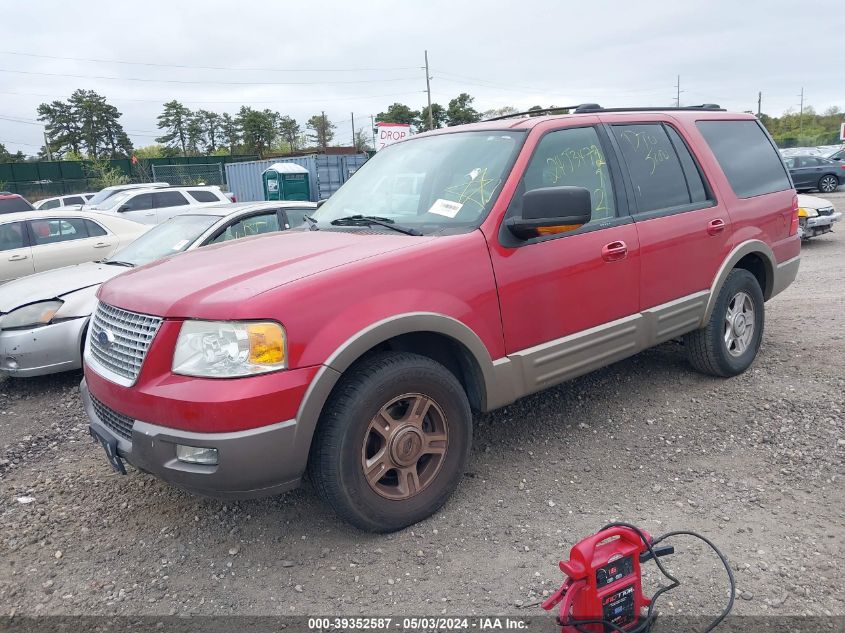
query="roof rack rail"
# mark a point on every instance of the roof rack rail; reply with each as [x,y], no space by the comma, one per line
[585,108]
[594,107]
[532,112]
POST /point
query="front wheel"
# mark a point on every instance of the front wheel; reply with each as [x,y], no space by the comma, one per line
[828,183]
[392,441]
[728,343]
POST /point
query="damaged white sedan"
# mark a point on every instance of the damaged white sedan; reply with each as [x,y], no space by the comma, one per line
[44,317]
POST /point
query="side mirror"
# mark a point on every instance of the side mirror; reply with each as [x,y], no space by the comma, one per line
[551,210]
[320,203]
[123,208]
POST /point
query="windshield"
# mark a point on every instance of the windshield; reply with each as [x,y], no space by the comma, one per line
[12,205]
[103,195]
[111,202]
[431,183]
[173,236]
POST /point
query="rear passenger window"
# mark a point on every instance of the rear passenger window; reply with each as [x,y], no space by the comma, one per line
[695,184]
[570,158]
[94,229]
[58,230]
[203,196]
[654,167]
[751,163]
[169,199]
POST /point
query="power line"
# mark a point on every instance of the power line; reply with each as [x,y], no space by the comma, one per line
[20,143]
[220,83]
[16,120]
[191,67]
[237,102]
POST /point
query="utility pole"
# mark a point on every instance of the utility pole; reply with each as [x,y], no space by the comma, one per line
[47,147]
[324,125]
[801,115]
[678,93]
[373,128]
[353,129]
[759,104]
[428,90]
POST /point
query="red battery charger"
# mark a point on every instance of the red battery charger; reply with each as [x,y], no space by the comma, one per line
[603,586]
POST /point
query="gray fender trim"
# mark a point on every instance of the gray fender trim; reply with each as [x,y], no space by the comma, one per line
[740,251]
[495,391]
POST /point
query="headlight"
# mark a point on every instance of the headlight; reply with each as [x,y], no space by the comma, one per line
[227,349]
[804,212]
[32,315]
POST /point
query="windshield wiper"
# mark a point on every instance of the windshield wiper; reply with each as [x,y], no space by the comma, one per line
[116,262]
[368,220]
[312,223]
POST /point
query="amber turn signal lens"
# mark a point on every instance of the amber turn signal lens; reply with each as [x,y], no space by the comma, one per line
[266,343]
[554,230]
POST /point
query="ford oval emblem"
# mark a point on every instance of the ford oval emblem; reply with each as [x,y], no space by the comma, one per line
[105,338]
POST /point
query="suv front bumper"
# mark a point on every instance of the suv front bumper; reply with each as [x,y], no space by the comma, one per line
[251,463]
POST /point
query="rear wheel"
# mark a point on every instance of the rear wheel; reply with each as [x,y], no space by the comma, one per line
[728,343]
[828,183]
[392,442]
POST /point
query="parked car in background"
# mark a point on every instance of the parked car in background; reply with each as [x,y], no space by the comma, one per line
[816,216]
[151,206]
[43,317]
[13,203]
[107,192]
[815,172]
[538,249]
[35,241]
[75,201]
[837,154]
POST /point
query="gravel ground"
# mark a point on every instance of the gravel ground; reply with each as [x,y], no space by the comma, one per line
[755,463]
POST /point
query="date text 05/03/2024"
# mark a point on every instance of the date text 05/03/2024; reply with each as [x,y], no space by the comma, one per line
[481,623]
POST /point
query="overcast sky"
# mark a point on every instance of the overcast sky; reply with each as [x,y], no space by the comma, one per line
[301,57]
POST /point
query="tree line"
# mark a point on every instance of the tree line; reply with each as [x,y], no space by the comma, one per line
[87,126]
[794,129]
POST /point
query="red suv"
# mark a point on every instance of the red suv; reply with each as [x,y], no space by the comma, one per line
[457,271]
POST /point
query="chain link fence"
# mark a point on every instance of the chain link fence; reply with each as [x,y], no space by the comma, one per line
[190,175]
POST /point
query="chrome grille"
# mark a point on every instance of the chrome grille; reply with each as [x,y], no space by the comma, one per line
[117,422]
[119,339]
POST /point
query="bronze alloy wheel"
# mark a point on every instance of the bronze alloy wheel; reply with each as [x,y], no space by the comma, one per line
[405,446]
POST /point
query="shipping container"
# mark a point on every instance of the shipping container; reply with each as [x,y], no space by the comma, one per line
[326,173]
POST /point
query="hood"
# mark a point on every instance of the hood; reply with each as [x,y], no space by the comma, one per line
[812,202]
[54,284]
[213,282]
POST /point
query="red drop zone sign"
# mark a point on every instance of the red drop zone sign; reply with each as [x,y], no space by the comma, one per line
[842,131]
[389,133]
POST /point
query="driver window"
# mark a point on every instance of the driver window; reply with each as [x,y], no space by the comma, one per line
[570,158]
[254,225]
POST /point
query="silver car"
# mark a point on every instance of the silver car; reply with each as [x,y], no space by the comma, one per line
[44,317]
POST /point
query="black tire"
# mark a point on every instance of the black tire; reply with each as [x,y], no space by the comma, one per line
[828,183]
[707,349]
[336,466]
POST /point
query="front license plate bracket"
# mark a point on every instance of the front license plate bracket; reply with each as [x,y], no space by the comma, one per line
[109,444]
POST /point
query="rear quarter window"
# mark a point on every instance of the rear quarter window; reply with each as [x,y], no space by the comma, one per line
[750,162]
[201,195]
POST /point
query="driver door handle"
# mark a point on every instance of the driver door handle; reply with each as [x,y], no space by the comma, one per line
[101,245]
[615,251]
[18,258]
